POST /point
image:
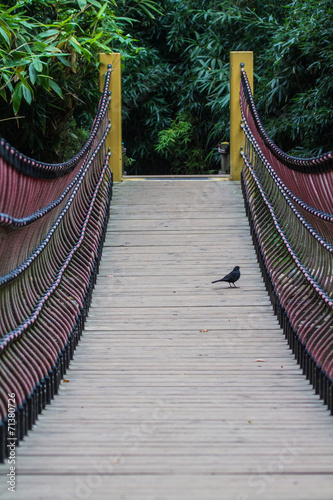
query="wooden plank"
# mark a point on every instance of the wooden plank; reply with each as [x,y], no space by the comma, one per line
[179,389]
[98,485]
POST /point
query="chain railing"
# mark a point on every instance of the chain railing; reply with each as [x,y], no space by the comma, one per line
[289,203]
[52,225]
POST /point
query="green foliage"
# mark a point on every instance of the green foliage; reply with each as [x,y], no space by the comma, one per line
[184,71]
[300,89]
[172,144]
[175,77]
[49,67]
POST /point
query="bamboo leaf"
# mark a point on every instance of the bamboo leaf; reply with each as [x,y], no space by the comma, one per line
[27,93]
[95,3]
[82,4]
[32,73]
[37,64]
[54,86]
[17,97]
[5,35]
[101,11]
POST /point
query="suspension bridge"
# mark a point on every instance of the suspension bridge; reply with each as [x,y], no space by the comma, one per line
[127,374]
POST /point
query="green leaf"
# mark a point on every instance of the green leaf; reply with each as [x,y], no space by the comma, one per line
[4,35]
[15,63]
[101,11]
[64,61]
[17,97]
[32,73]
[75,44]
[86,53]
[82,3]
[54,86]
[70,27]
[48,33]
[95,3]
[27,93]
[37,64]
[44,80]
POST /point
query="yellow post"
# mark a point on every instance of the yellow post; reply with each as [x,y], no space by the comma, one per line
[114,139]
[237,138]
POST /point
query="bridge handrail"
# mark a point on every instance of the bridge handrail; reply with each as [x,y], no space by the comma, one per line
[293,241]
[5,279]
[313,281]
[48,266]
[311,210]
[7,220]
[8,338]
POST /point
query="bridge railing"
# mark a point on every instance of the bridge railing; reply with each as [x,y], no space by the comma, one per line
[289,203]
[52,224]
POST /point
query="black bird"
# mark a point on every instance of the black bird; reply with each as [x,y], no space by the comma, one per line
[231,277]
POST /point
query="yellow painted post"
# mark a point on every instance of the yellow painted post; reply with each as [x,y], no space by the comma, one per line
[237,138]
[114,139]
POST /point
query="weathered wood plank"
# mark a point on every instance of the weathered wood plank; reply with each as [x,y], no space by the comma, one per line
[179,389]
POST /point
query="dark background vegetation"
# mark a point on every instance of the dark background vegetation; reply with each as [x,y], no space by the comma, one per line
[175,75]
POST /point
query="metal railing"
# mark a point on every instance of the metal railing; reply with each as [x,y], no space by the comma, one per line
[52,225]
[289,203]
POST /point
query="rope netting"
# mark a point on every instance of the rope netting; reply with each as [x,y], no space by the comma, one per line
[52,224]
[289,203]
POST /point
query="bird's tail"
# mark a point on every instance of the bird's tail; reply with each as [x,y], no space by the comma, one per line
[216,281]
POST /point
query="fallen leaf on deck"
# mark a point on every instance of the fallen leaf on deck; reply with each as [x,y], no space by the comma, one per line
[260,360]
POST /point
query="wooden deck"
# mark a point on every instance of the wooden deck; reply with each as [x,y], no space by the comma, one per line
[179,389]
